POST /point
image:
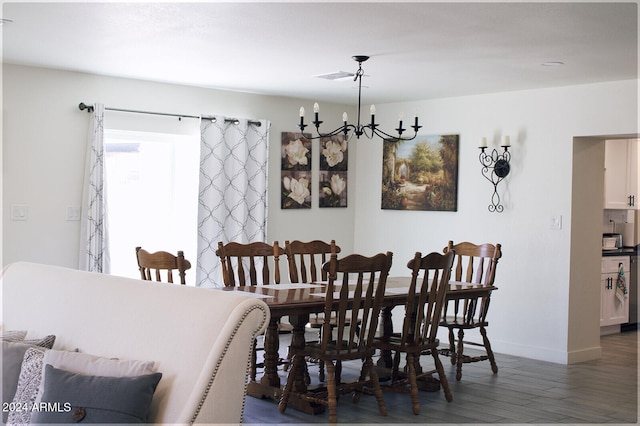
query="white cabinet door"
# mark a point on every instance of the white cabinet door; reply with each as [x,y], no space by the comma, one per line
[621,178]
[634,175]
[612,310]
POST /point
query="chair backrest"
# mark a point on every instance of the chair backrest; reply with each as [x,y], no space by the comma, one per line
[475,263]
[305,259]
[361,280]
[153,266]
[426,297]
[250,264]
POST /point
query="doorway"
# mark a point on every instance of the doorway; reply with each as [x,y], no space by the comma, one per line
[587,202]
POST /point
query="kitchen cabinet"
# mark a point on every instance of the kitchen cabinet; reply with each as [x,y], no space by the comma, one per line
[621,177]
[612,310]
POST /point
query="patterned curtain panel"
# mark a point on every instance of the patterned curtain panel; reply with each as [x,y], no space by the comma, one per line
[94,253]
[233,190]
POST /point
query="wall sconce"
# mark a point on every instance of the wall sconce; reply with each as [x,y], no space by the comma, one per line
[495,167]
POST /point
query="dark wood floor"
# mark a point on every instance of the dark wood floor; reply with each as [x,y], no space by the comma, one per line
[523,391]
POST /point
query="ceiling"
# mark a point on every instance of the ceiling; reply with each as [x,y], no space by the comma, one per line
[418,50]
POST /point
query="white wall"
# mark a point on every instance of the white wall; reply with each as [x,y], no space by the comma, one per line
[44,135]
[530,311]
[44,140]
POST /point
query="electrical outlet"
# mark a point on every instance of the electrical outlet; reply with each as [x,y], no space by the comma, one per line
[555,222]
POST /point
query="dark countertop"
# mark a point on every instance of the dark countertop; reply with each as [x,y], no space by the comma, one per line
[624,251]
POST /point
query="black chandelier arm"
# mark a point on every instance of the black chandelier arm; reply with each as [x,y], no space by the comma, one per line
[398,137]
[342,129]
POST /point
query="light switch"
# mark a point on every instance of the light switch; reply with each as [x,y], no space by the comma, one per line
[555,222]
[73,212]
[19,212]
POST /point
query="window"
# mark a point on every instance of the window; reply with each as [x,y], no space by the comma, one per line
[152,196]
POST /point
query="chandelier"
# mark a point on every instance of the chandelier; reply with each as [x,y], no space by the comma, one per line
[358,129]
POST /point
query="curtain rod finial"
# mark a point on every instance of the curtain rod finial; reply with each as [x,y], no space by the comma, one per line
[83,106]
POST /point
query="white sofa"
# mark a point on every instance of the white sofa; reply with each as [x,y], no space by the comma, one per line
[200,339]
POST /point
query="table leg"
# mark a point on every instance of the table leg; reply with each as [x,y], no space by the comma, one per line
[301,379]
[298,342]
[386,324]
[269,384]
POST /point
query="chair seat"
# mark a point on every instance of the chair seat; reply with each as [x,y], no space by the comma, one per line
[317,322]
[284,327]
[314,350]
[458,323]
[394,342]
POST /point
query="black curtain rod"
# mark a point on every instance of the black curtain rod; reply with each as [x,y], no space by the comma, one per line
[89,108]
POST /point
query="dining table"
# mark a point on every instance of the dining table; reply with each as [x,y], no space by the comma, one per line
[299,301]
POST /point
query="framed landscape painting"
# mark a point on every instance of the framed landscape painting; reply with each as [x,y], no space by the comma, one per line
[421,174]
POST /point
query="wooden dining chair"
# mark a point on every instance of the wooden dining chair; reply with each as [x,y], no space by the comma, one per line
[357,293]
[425,302]
[249,264]
[305,260]
[475,263]
[155,266]
[255,263]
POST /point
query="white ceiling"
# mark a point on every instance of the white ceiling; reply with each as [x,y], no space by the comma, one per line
[418,50]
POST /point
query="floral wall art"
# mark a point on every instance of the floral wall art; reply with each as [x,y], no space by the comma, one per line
[421,174]
[333,172]
[295,171]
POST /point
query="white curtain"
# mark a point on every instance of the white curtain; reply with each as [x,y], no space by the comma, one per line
[233,190]
[94,253]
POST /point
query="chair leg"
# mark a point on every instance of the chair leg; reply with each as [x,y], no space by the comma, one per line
[287,360]
[413,384]
[284,399]
[487,346]
[395,368]
[332,397]
[452,346]
[459,355]
[377,390]
[444,382]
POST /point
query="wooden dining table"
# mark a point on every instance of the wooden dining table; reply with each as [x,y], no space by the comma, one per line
[299,301]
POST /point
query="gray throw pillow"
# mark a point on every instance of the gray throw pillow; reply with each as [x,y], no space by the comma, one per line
[13,335]
[73,398]
[12,356]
